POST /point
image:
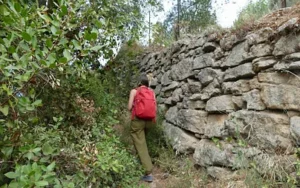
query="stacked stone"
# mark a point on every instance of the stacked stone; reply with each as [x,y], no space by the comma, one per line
[224,96]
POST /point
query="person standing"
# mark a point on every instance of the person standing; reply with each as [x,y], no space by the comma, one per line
[142,105]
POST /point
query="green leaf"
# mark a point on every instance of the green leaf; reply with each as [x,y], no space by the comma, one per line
[41,183]
[67,54]
[96,48]
[7,151]
[51,166]
[18,7]
[35,150]
[29,155]
[63,60]
[49,43]
[11,175]
[37,103]
[4,110]
[47,149]
[53,30]
[26,36]
[76,45]
[64,10]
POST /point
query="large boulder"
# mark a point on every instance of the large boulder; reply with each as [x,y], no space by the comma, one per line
[253,100]
[263,63]
[216,126]
[207,75]
[283,97]
[285,78]
[265,130]
[287,44]
[194,86]
[211,90]
[165,79]
[191,120]
[237,88]
[238,55]
[203,61]
[241,71]
[181,141]
[220,104]
[208,153]
[182,70]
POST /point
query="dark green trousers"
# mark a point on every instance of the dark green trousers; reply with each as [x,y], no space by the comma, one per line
[138,130]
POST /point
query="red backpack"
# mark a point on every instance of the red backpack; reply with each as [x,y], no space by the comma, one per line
[144,104]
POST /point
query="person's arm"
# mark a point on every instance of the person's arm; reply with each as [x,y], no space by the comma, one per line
[131,98]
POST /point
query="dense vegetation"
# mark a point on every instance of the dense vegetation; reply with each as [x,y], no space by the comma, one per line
[57,108]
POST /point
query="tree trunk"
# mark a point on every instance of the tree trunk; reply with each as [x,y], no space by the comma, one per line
[177,28]
[283,3]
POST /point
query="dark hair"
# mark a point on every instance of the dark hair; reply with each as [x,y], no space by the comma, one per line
[144,80]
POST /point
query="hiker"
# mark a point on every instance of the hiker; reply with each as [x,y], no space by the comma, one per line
[142,105]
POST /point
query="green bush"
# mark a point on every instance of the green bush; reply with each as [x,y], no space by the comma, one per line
[252,12]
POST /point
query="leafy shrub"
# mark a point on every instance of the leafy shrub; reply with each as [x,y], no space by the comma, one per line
[56,127]
[252,12]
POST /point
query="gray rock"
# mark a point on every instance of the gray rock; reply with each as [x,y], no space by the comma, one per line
[228,41]
[165,80]
[215,126]
[177,95]
[253,100]
[172,86]
[207,75]
[195,97]
[220,104]
[280,78]
[282,97]
[263,63]
[295,128]
[169,101]
[265,130]
[238,101]
[237,88]
[182,70]
[194,86]
[218,53]
[194,105]
[209,47]
[185,89]
[238,55]
[260,50]
[203,61]
[282,65]
[171,115]
[262,35]
[292,57]
[181,141]
[208,154]
[191,120]
[287,45]
[240,71]
[292,113]
[211,90]
[220,173]
[157,89]
[287,25]
[198,43]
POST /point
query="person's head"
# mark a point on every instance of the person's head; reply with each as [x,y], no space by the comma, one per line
[144,81]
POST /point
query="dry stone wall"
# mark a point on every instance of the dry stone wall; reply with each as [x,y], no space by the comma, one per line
[225,96]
